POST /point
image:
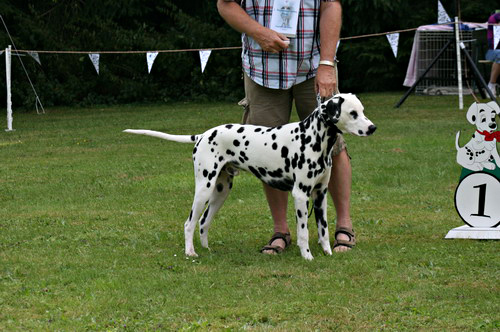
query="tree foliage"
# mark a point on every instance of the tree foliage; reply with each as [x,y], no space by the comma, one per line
[103,25]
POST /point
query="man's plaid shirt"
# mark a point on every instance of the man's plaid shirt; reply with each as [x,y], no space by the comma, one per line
[296,64]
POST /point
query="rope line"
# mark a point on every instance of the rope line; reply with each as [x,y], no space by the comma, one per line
[230,47]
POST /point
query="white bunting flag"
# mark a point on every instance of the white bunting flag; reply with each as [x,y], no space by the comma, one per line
[496,35]
[337,47]
[393,39]
[442,14]
[204,55]
[151,56]
[95,60]
[1,52]
[35,56]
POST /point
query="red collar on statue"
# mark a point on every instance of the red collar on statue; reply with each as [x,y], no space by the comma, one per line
[490,136]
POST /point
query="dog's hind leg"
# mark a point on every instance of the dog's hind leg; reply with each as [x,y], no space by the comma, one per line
[203,193]
[320,207]
[222,188]
[301,199]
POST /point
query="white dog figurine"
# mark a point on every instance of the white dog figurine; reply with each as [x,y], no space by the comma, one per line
[481,150]
[294,157]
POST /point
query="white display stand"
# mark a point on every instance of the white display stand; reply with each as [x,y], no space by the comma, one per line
[467,232]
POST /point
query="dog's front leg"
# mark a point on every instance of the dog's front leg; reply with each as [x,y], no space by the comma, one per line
[320,206]
[301,199]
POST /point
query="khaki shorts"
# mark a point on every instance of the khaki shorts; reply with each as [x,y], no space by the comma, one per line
[272,107]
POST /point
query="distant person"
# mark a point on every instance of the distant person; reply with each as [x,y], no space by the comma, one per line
[493,53]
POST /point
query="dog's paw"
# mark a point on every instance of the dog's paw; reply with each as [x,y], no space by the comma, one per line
[191,253]
[307,255]
[489,166]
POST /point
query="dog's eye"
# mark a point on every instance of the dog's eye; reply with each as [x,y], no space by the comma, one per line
[354,114]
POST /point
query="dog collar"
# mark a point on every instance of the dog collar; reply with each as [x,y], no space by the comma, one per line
[490,136]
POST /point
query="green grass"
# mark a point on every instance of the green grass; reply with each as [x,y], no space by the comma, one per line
[91,230]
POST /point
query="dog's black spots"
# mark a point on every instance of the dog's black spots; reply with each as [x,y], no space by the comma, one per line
[231,153]
[278,173]
[269,129]
[257,130]
[244,155]
[473,118]
[360,132]
[309,175]
[273,137]
[278,128]
[205,173]
[201,230]
[308,250]
[284,152]
[296,130]
[212,136]
[254,171]
[240,130]
[216,165]
[211,175]
[262,171]
[287,165]
[354,114]
[316,147]
[247,143]
[295,158]
[284,185]
[274,146]
[205,214]
[208,185]
[194,150]
[191,215]
[212,150]
[299,213]
[221,158]
[323,232]
[229,126]
[193,138]
[236,142]
[220,187]
[242,160]
[303,226]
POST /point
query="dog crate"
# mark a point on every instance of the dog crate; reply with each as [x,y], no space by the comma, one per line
[442,78]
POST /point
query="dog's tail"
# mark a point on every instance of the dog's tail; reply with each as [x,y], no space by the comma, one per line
[159,134]
[456,141]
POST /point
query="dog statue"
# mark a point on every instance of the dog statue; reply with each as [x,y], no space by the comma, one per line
[481,150]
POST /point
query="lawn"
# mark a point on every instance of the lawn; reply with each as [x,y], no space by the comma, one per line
[91,230]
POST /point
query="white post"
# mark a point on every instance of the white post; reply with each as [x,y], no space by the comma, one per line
[8,62]
[459,66]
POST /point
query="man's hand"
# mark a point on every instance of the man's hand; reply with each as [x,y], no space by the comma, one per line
[326,81]
[270,40]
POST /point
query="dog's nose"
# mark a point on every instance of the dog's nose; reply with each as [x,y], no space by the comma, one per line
[493,125]
[371,130]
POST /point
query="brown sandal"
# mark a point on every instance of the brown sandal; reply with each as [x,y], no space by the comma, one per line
[346,243]
[277,249]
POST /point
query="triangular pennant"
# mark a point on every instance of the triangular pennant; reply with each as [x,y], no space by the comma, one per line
[151,56]
[496,35]
[35,56]
[393,39]
[442,14]
[94,57]
[204,55]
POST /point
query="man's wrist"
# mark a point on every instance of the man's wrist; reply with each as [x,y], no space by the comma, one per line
[328,63]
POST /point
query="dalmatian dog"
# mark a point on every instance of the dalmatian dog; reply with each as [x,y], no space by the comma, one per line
[294,157]
[481,150]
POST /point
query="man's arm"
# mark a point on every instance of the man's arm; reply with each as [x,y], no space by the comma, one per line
[329,27]
[238,19]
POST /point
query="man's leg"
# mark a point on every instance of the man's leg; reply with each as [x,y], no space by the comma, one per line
[495,72]
[270,107]
[340,190]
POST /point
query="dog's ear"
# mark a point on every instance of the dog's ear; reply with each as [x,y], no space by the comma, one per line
[333,109]
[493,105]
[472,113]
